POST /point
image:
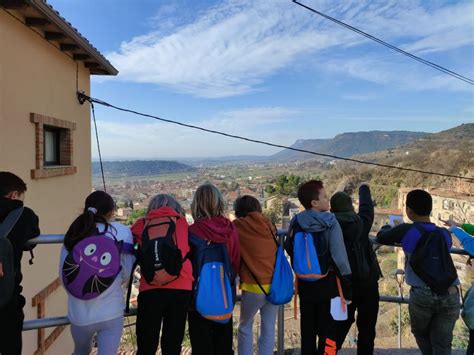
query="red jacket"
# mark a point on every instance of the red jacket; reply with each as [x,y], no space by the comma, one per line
[185,280]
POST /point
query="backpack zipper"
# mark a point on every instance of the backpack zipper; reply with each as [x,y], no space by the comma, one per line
[223,287]
[307,252]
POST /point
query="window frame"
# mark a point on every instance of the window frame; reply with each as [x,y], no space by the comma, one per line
[63,164]
[57,137]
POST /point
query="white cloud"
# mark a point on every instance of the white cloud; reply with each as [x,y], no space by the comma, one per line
[231,48]
[387,70]
[147,139]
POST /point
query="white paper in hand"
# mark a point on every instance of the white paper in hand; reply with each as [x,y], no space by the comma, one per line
[337,311]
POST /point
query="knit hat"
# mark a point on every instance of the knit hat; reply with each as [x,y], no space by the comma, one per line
[341,202]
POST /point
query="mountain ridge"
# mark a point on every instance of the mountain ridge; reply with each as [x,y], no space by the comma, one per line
[350,143]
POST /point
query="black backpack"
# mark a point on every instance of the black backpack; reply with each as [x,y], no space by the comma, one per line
[431,260]
[7,271]
[160,258]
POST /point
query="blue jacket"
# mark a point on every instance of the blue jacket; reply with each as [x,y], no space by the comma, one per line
[466,240]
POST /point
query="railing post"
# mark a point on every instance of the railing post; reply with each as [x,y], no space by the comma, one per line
[400,278]
[281,320]
[399,322]
[281,330]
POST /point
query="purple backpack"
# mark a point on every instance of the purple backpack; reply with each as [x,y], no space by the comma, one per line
[92,266]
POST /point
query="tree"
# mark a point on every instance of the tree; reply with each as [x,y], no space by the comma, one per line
[275,212]
[136,214]
[287,185]
[269,189]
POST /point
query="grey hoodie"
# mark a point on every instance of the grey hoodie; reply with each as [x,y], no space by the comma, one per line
[313,221]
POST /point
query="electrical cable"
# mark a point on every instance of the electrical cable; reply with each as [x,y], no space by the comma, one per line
[83,97]
[98,146]
[388,45]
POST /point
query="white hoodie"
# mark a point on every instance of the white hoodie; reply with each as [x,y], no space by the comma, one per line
[110,304]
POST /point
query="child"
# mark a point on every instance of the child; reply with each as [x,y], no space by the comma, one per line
[434,300]
[315,295]
[23,227]
[164,304]
[96,261]
[209,337]
[258,247]
[365,268]
[467,241]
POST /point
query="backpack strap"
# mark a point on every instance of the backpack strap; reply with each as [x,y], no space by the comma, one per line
[10,221]
[423,230]
[275,235]
[251,273]
[256,280]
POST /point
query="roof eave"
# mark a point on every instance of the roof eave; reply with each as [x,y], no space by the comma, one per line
[50,14]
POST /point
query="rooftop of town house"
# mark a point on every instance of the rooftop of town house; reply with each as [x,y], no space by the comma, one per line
[435,191]
[43,19]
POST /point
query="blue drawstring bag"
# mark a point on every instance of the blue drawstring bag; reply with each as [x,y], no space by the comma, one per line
[281,288]
[310,255]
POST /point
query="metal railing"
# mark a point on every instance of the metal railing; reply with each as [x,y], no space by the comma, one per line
[59,321]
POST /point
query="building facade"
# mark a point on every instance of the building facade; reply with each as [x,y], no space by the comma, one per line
[45,138]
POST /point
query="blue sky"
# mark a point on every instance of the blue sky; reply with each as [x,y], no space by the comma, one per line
[271,70]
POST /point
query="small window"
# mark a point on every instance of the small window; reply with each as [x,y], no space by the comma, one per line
[54,147]
[51,147]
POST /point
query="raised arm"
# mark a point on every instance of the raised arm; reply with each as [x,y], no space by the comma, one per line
[366,207]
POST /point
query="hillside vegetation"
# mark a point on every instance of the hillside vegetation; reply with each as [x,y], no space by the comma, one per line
[449,152]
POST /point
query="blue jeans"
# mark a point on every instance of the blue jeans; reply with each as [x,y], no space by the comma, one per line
[432,319]
[250,305]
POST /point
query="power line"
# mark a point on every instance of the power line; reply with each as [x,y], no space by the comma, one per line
[388,45]
[98,145]
[83,97]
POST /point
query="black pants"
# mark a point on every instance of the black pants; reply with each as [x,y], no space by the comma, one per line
[161,306]
[209,337]
[470,348]
[366,301]
[11,325]
[316,321]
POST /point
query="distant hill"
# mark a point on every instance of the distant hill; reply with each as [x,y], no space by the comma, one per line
[450,152]
[349,144]
[140,168]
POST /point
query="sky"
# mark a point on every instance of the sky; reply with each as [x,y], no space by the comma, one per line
[272,70]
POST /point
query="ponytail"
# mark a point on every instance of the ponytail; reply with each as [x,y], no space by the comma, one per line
[97,206]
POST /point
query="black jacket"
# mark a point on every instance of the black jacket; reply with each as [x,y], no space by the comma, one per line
[25,229]
[356,228]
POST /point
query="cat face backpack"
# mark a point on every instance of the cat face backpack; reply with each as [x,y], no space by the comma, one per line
[92,266]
